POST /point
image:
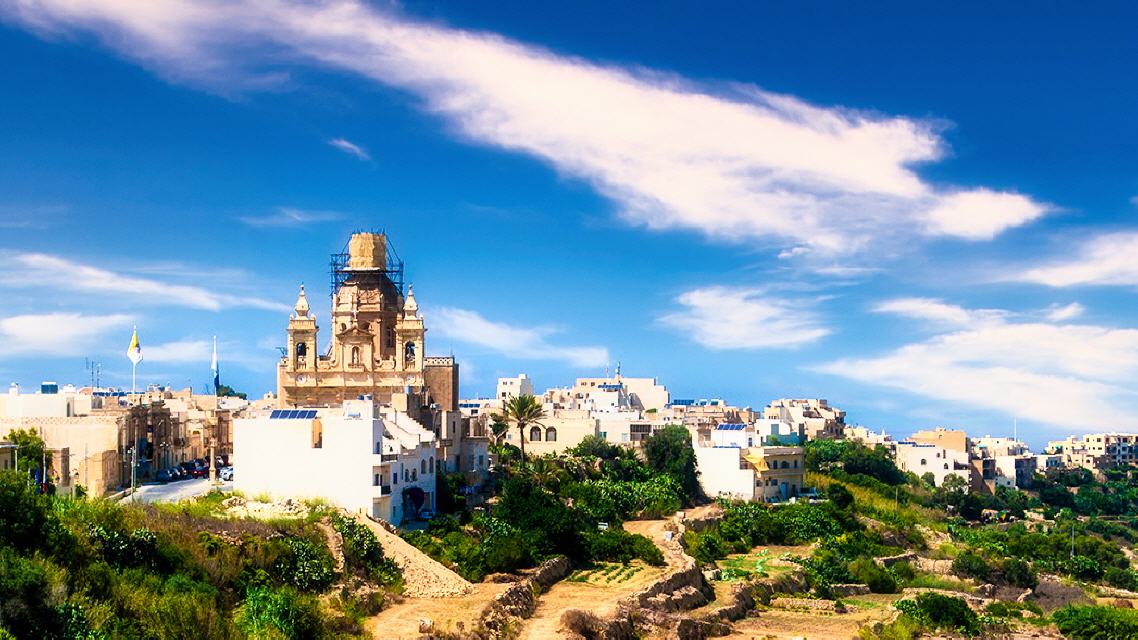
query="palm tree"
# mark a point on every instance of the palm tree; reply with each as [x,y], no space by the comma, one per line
[524,411]
[498,427]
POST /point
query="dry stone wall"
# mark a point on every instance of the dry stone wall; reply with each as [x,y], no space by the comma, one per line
[520,599]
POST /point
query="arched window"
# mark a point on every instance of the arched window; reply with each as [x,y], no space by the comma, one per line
[409,353]
[946,466]
[535,434]
[785,464]
[355,355]
[923,462]
[423,466]
[414,476]
[432,464]
[551,435]
[343,327]
[301,349]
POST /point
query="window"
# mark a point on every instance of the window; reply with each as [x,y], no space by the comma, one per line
[301,349]
[376,482]
[423,466]
[409,352]
[432,464]
[795,464]
[414,476]
[378,448]
[535,434]
[355,355]
[394,477]
[946,466]
[923,462]
[481,461]
[551,435]
[785,464]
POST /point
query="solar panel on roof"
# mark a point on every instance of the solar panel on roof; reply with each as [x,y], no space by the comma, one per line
[275,415]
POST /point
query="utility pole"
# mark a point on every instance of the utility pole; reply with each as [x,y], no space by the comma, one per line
[133,466]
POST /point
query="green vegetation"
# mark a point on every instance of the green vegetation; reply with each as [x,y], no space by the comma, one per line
[936,612]
[1097,623]
[94,568]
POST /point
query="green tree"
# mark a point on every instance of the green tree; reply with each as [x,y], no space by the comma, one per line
[31,449]
[670,451]
[524,411]
[226,391]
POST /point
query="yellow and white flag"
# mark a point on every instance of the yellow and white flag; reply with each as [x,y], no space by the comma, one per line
[134,351]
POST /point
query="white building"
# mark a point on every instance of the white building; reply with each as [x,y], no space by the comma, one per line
[360,456]
[941,462]
[730,466]
[515,387]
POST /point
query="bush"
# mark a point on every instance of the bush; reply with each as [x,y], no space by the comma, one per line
[363,553]
[705,547]
[939,612]
[840,496]
[971,565]
[618,545]
[1122,578]
[306,566]
[269,613]
[868,572]
[1096,623]
[1019,573]
[669,451]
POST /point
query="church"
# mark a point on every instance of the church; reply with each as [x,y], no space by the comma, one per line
[376,350]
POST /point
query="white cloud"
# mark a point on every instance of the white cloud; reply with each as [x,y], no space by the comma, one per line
[981,214]
[43,271]
[741,318]
[736,163]
[1069,376]
[350,148]
[937,311]
[60,334]
[524,343]
[1056,313]
[1108,259]
[290,217]
[181,351]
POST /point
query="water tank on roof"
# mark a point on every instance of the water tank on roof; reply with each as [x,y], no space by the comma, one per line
[49,388]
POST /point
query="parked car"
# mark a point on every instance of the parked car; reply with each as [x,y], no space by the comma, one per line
[195,469]
[163,476]
[226,473]
[176,473]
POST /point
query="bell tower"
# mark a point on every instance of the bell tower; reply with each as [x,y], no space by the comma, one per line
[302,336]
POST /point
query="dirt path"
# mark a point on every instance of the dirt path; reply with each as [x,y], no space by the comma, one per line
[401,621]
[602,599]
[423,576]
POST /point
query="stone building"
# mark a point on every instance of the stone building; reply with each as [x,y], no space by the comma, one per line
[376,346]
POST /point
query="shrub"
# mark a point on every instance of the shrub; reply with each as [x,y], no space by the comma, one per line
[1096,623]
[706,547]
[363,552]
[939,612]
[971,565]
[840,496]
[618,545]
[868,572]
[270,612]
[306,566]
[1019,573]
[1122,578]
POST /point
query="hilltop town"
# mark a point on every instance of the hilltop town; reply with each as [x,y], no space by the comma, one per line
[366,496]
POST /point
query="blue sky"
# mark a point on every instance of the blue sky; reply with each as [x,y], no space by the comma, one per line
[926,215]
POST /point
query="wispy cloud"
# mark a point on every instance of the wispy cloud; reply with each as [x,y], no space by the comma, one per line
[59,334]
[743,318]
[350,148]
[1069,376]
[48,272]
[290,217]
[1057,313]
[937,311]
[524,343]
[733,162]
[1108,259]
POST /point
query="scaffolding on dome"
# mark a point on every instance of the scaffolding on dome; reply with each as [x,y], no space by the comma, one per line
[340,271]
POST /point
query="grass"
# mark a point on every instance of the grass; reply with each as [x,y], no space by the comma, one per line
[882,508]
[933,581]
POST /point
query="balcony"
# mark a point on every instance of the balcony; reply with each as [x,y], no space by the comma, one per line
[384,489]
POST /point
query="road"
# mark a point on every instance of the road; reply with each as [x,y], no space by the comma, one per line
[177,491]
